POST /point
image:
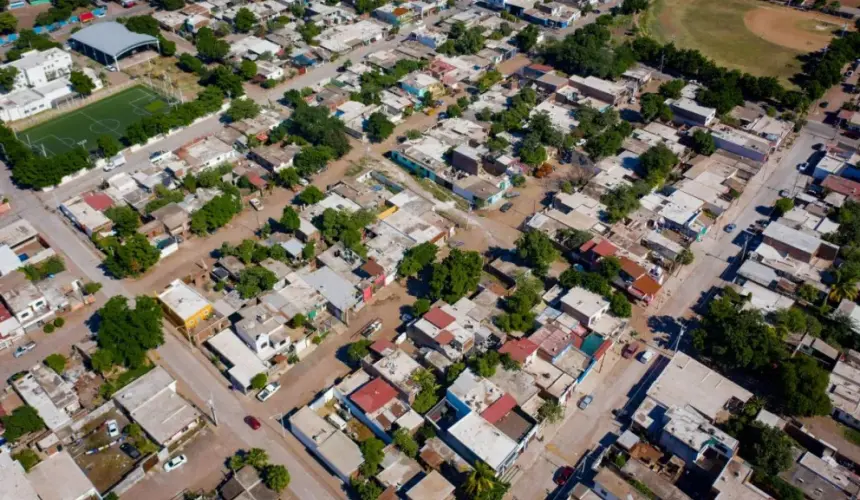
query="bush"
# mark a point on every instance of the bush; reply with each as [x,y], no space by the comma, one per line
[56,362]
[92,287]
[59,322]
[27,458]
[49,328]
[259,381]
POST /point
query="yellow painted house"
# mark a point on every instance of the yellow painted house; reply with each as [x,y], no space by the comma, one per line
[184,305]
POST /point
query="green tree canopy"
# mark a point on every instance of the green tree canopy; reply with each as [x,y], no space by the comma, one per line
[129,333]
[244,20]
[378,127]
[703,142]
[458,274]
[81,83]
[537,250]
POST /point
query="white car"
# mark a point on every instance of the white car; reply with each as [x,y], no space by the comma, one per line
[256,203]
[268,391]
[646,356]
[110,166]
[175,463]
[112,428]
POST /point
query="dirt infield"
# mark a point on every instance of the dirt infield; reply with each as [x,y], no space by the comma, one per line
[793,29]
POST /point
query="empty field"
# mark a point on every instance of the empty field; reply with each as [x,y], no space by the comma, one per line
[762,39]
[83,126]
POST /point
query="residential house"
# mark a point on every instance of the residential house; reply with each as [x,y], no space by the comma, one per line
[263,330]
[585,306]
[87,212]
[599,88]
[243,363]
[418,84]
[185,306]
[688,112]
[334,448]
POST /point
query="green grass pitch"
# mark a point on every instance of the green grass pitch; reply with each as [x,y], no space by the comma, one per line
[111,115]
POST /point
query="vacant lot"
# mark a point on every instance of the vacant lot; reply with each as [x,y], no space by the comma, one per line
[83,126]
[759,38]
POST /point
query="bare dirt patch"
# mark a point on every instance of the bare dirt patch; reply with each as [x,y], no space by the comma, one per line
[793,29]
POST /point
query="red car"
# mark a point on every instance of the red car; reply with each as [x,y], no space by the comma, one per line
[631,349]
[563,475]
[253,422]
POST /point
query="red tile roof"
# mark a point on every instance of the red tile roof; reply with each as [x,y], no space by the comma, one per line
[4,313]
[541,67]
[519,349]
[632,268]
[842,185]
[605,249]
[381,345]
[255,180]
[86,16]
[439,318]
[98,201]
[602,349]
[647,285]
[445,337]
[374,395]
[372,268]
[499,409]
[588,245]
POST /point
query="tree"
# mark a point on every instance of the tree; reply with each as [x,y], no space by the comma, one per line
[518,306]
[108,145]
[527,38]
[619,306]
[245,20]
[538,250]
[657,163]
[248,69]
[7,75]
[169,4]
[771,451]
[289,177]
[8,22]
[290,220]
[366,489]
[132,257]
[703,142]
[308,31]
[309,250]
[420,307]
[146,25]
[844,286]
[56,362]
[81,83]
[241,109]
[550,411]
[481,480]
[406,443]
[428,396]
[276,477]
[686,257]
[27,458]
[633,6]
[23,420]
[457,274]
[532,151]
[416,259]
[125,220]
[371,450]
[129,333]
[102,360]
[259,381]
[653,106]
[310,195]
[413,134]
[378,127]
[37,272]
[453,372]
[672,89]
[803,387]
[609,267]
[358,350]
[255,280]
[209,47]
[318,127]
[783,206]
[225,79]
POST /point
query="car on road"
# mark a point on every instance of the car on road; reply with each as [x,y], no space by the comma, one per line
[175,463]
[646,356]
[256,203]
[631,349]
[512,194]
[109,166]
[563,475]
[157,156]
[24,349]
[112,428]
[371,328]
[406,317]
[268,391]
[132,452]
[584,402]
[253,422]
[730,227]
[784,193]
[507,206]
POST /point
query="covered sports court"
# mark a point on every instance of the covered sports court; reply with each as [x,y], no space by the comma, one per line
[109,41]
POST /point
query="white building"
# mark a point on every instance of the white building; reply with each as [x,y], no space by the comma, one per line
[245,364]
[587,307]
[334,448]
[36,69]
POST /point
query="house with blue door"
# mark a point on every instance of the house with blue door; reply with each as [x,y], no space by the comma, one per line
[418,84]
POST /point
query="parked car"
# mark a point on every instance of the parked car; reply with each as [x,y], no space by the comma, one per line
[507,206]
[268,391]
[253,422]
[584,402]
[631,349]
[130,450]
[112,428]
[406,317]
[730,227]
[371,328]
[175,463]
[512,194]
[563,475]
[784,193]
[256,203]
[24,349]
[646,356]
[157,156]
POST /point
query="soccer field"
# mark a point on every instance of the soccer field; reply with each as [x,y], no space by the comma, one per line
[83,126]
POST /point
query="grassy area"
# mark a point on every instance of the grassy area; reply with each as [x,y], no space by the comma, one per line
[717,29]
[163,70]
[852,435]
[110,387]
[443,194]
[111,115]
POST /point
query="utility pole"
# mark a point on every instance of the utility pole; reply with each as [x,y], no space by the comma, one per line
[678,340]
[212,409]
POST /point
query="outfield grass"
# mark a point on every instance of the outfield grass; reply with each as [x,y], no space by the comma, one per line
[111,115]
[717,29]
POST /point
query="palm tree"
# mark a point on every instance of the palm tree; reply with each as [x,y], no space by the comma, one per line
[481,480]
[844,287]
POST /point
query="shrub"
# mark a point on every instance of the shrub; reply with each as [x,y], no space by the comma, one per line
[259,381]
[59,322]
[27,458]
[49,328]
